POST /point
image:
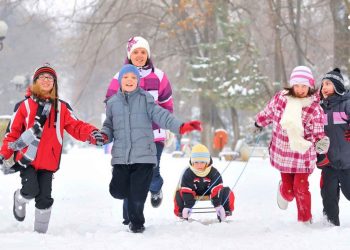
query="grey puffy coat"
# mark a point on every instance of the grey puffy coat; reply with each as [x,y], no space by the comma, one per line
[128,122]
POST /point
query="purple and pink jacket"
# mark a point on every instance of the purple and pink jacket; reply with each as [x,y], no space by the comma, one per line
[155,82]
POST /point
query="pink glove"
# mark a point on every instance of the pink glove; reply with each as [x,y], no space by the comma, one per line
[220,211]
[186,213]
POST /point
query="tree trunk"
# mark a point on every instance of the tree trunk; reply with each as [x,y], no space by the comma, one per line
[294,19]
[341,23]
[280,71]
[235,126]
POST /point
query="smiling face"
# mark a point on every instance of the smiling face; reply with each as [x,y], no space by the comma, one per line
[129,82]
[301,90]
[46,82]
[138,57]
[327,88]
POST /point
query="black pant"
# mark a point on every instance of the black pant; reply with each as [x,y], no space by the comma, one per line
[156,183]
[132,182]
[38,185]
[333,181]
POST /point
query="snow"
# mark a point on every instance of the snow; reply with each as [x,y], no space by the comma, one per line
[85,216]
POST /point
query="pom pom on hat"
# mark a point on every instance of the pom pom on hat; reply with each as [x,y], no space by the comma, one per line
[302,75]
[127,68]
[46,68]
[200,153]
[137,42]
[337,79]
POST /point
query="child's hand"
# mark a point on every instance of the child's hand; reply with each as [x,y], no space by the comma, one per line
[257,129]
[220,211]
[186,213]
[97,138]
[322,161]
[4,168]
[322,145]
[190,126]
[347,135]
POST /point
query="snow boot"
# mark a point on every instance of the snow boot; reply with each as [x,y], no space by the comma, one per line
[19,205]
[156,199]
[281,202]
[136,228]
[42,219]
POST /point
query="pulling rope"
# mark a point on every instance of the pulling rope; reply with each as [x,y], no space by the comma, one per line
[216,180]
[245,166]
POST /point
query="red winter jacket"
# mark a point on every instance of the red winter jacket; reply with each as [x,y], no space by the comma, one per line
[50,146]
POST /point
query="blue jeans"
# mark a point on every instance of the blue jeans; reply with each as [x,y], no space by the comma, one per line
[157,180]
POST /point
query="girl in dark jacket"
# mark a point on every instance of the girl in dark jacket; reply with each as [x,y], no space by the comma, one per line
[335,164]
[35,135]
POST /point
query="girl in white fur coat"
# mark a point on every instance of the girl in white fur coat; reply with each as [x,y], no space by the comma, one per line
[298,133]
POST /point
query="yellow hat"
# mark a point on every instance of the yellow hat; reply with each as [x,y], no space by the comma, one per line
[200,153]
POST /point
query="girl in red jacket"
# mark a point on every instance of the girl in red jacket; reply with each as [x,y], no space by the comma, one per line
[35,136]
[297,134]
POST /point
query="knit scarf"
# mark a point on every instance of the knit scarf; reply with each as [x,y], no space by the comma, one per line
[292,122]
[31,137]
[203,173]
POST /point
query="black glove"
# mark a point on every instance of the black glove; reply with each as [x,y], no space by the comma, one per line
[1,160]
[257,129]
[322,161]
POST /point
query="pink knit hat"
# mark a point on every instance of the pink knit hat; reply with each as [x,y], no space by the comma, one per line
[302,75]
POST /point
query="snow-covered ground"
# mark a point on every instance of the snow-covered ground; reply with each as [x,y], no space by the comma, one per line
[85,216]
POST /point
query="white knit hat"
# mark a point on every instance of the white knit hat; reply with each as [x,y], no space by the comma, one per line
[137,42]
[302,75]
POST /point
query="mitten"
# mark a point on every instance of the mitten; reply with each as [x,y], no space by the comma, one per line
[347,135]
[322,161]
[186,213]
[220,211]
[97,138]
[4,168]
[190,126]
[322,145]
[257,129]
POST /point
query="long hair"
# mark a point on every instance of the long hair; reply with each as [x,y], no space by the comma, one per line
[53,95]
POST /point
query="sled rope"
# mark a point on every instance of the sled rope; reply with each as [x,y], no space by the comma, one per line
[245,166]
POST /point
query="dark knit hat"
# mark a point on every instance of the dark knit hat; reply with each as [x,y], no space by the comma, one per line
[46,68]
[337,79]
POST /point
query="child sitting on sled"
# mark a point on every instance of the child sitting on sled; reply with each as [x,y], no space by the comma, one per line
[201,179]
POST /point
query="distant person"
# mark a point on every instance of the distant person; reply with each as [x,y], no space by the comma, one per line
[335,165]
[35,135]
[201,179]
[128,124]
[155,82]
[297,135]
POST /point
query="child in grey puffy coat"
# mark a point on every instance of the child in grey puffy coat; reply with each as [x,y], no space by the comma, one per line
[129,116]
